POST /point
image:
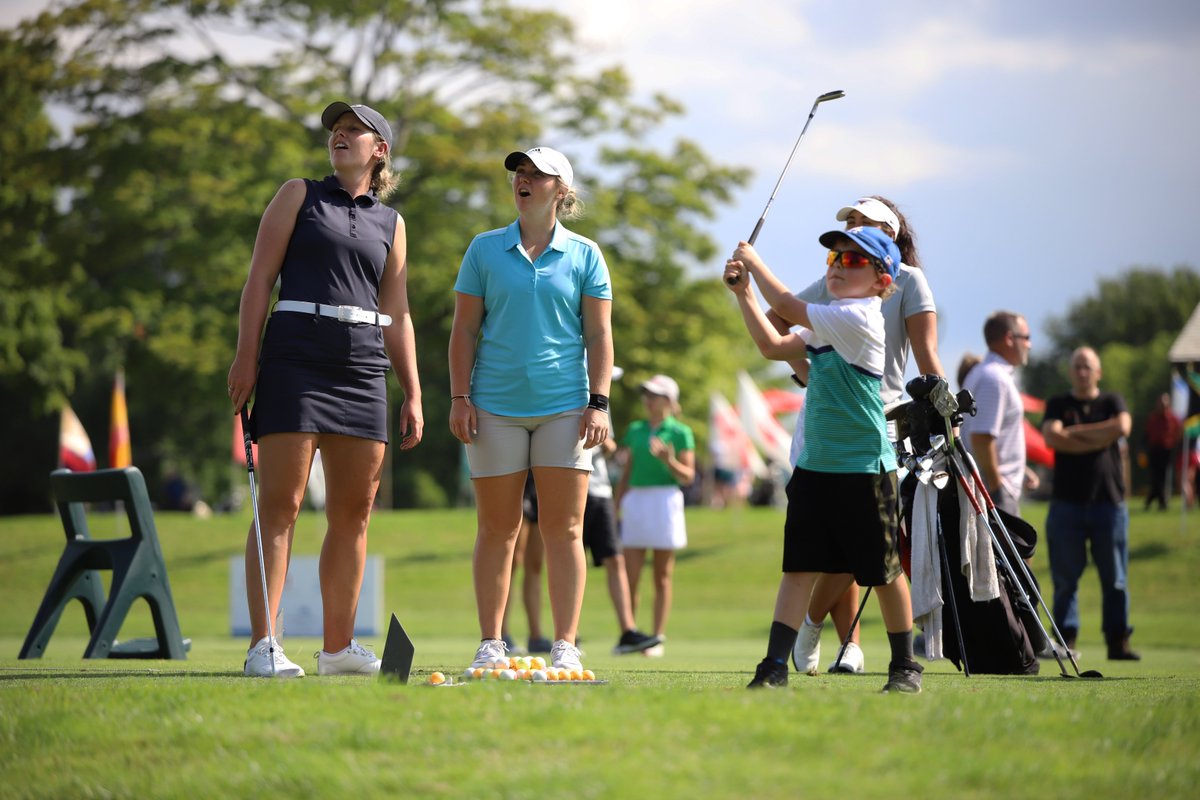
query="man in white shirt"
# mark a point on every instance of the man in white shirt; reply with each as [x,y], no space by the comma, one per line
[996,434]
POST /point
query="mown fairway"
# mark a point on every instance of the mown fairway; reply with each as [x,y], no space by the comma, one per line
[679,726]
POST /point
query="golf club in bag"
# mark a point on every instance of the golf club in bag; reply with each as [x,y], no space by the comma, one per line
[950,406]
[262,566]
[834,95]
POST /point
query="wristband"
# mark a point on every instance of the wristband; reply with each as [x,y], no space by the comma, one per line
[598,402]
[796,380]
[466,397]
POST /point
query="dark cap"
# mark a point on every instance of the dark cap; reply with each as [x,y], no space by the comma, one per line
[367,115]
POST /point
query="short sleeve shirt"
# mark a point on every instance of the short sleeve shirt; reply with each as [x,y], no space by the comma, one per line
[646,470]
[1000,414]
[530,358]
[845,430]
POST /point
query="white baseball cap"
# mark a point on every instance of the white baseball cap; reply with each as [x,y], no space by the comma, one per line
[873,210]
[663,386]
[547,159]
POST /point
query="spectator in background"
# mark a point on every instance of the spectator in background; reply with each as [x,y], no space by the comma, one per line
[1086,428]
[662,459]
[969,362]
[996,434]
[528,556]
[1163,430]
[601,537]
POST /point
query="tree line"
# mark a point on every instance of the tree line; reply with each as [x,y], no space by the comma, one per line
[145,138]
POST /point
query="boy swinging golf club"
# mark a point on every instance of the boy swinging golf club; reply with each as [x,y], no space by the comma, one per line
[842,498]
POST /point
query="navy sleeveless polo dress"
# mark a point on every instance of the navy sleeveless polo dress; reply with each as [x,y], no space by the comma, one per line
[317,374]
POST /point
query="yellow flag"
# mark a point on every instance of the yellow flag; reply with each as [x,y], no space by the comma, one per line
[119,453]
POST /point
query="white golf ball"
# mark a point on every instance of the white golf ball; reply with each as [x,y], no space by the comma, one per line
[539,675]
[508,675]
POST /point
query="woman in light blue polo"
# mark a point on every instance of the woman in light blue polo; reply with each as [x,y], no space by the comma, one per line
[530,363]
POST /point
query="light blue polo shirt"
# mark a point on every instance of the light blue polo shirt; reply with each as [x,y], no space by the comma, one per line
[530,358]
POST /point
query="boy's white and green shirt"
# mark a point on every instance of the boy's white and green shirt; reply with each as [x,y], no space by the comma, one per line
[845,430]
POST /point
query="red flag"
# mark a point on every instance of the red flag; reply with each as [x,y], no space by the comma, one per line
[783,401]
[1036,449]
[74,446]
[119,452]
[239,443]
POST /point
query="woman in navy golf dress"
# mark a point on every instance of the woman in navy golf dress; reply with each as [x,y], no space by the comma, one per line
[342,319]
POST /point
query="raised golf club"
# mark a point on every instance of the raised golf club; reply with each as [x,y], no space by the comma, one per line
[758,227]
[262,566]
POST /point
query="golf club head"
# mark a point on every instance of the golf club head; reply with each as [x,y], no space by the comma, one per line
[834,95]
[936,443]
[940,479]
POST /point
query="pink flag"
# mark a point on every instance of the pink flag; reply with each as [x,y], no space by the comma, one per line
[730,447]
[762,428]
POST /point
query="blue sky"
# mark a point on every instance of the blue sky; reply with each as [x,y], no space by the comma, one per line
[1035,146]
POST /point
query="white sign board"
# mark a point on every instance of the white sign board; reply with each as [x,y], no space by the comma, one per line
[300,608]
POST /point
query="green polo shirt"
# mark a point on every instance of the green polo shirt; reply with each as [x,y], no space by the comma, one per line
[644,468]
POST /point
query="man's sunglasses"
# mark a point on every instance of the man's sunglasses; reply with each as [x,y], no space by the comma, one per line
[849,259]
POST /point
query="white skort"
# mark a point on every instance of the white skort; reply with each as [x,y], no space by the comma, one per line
[652,516]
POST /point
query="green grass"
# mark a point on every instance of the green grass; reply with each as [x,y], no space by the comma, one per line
[679,726]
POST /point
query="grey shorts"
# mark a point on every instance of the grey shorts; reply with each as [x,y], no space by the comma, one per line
[505,445]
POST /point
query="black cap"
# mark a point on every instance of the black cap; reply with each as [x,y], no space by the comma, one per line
[367,115]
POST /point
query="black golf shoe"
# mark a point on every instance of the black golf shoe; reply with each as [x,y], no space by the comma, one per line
[903,678]
[634,641]
[769,674]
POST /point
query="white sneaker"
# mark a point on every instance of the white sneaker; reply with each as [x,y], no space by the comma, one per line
[806,654]
[489,650]
[260,656]
[852,661]
[564,655]
[353,660]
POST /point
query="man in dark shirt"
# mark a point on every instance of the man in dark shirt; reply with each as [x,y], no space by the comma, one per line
[1086,428]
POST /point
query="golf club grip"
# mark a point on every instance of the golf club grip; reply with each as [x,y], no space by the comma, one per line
[246,439]
[753,238]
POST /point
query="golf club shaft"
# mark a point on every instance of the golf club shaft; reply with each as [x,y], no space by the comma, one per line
[850,633]
[262,564]
[957,463]
[834,95]
[962,647]
[991,505]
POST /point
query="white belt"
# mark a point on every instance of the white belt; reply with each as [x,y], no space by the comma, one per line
[340,313]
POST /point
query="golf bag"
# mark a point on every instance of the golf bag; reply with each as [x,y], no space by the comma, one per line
[1000,637]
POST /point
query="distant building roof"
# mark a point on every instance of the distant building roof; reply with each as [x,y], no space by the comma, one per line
[1187,345]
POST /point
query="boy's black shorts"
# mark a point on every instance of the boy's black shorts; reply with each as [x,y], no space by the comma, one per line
[600,528]
[842,523]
